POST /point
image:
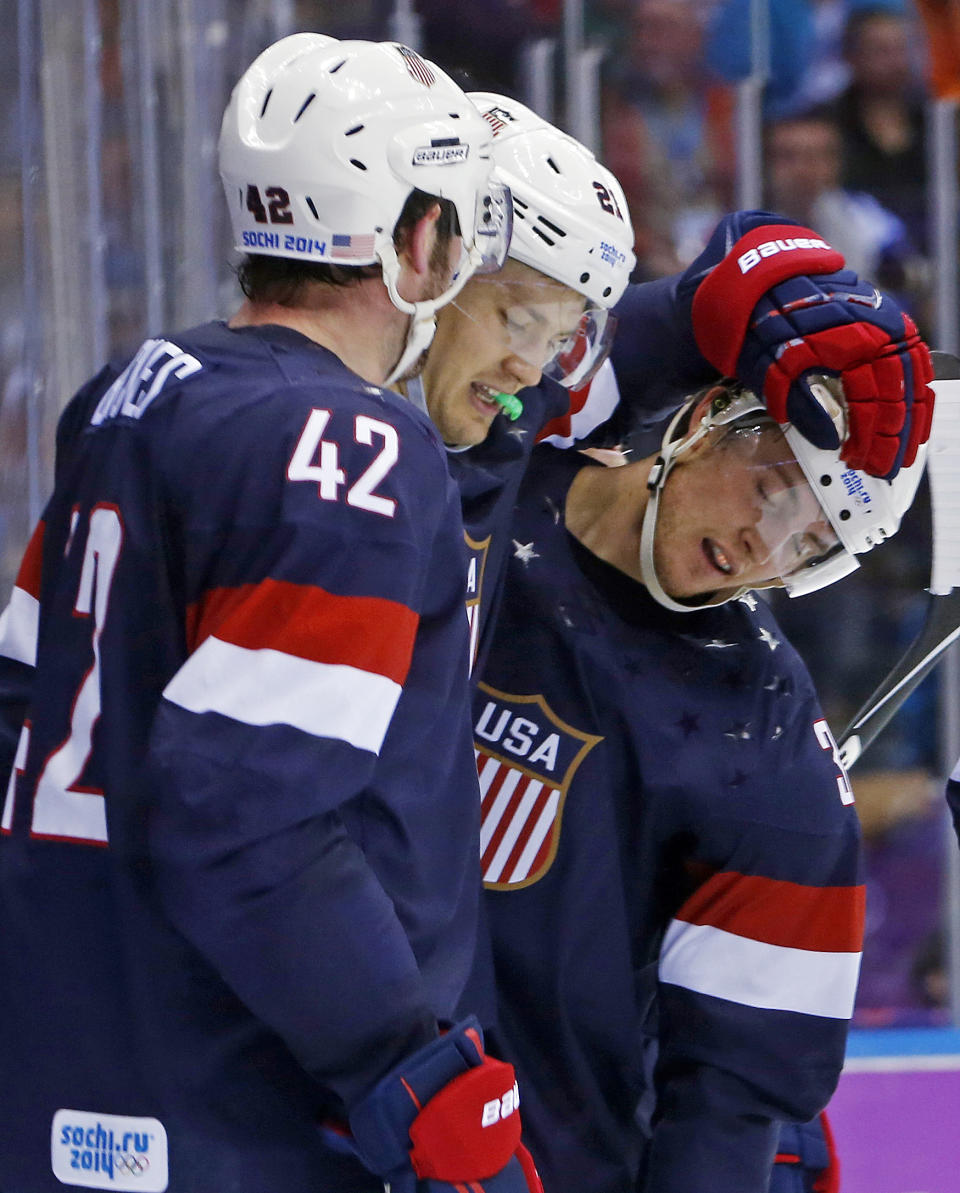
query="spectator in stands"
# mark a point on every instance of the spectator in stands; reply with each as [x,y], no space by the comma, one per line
[666,133]
[803,159]
[806,61]
[881,117]
[481,51]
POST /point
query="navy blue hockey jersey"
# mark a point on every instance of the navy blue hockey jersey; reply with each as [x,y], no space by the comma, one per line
[238,869]
[664,823]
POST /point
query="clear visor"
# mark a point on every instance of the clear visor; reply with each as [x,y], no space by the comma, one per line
[493,227]
[577,359]
[784,532]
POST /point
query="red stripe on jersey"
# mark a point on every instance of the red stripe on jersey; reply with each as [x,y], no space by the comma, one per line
[825,919]
[505,822]
[370,633]
[561,424]
[533,817]
[31,566]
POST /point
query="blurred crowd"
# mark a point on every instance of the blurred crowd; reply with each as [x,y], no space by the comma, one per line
[844,151]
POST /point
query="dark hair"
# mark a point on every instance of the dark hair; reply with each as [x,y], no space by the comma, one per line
[282,279]
[863,16]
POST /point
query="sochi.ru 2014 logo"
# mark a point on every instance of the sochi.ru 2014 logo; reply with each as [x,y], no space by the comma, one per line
[109,1151]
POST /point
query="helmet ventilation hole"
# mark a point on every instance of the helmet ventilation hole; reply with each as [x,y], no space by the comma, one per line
[358,164]
[606,291]
[357,128]
[306,104]
[313,210]
[266,100]
[553,227]
[584,278]
[845,515]
[553,165]
[543,236]
[826,479]
[334,69]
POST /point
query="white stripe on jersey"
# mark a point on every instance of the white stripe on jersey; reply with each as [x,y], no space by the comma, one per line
[711,961]
[19,625]
[601,402]
[268,687]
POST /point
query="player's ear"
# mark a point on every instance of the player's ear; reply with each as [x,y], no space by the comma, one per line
[700,411]
[416,248]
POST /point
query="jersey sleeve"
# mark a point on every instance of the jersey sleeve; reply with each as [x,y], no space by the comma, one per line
[759,963]
[654,364]
[305,616]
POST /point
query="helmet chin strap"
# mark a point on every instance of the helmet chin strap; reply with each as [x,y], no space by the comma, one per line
[648,569]
[670,451]
[423,324]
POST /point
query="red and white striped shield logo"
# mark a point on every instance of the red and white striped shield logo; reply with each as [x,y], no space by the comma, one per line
[526,757]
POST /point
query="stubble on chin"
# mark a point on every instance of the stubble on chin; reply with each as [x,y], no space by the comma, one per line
[417,367]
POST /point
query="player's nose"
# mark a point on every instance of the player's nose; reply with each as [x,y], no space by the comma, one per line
[522,370]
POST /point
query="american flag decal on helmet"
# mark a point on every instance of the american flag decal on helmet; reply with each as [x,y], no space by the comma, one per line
[526,758]
[416,66]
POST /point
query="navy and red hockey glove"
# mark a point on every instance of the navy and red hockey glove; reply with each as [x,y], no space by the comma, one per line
[448,1115]
[806,1160]
[777,307]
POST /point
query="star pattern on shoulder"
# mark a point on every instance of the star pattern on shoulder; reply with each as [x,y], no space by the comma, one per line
[781,685]
[719,644]
[749,600]
[689,723]
[771,639]
[777,733]
[518,433]
[554,510]
[524,552]
[739,731]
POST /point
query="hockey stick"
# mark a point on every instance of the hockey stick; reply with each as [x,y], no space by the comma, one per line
[941,625]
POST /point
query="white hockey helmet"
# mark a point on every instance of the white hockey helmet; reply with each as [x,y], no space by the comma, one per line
[571,222]
[862,510]
[323,141]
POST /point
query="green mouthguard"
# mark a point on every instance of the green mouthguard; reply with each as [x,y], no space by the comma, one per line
[512,406]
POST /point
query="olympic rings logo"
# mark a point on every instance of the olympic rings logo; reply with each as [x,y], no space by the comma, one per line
[130,1164]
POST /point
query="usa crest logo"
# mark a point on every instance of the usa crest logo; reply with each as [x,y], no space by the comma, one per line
[526,758]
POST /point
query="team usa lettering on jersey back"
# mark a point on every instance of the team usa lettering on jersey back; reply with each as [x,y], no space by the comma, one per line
[157,362]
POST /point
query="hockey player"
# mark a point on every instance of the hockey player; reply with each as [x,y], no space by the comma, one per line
[238,864]
[665,819]
[759,304]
